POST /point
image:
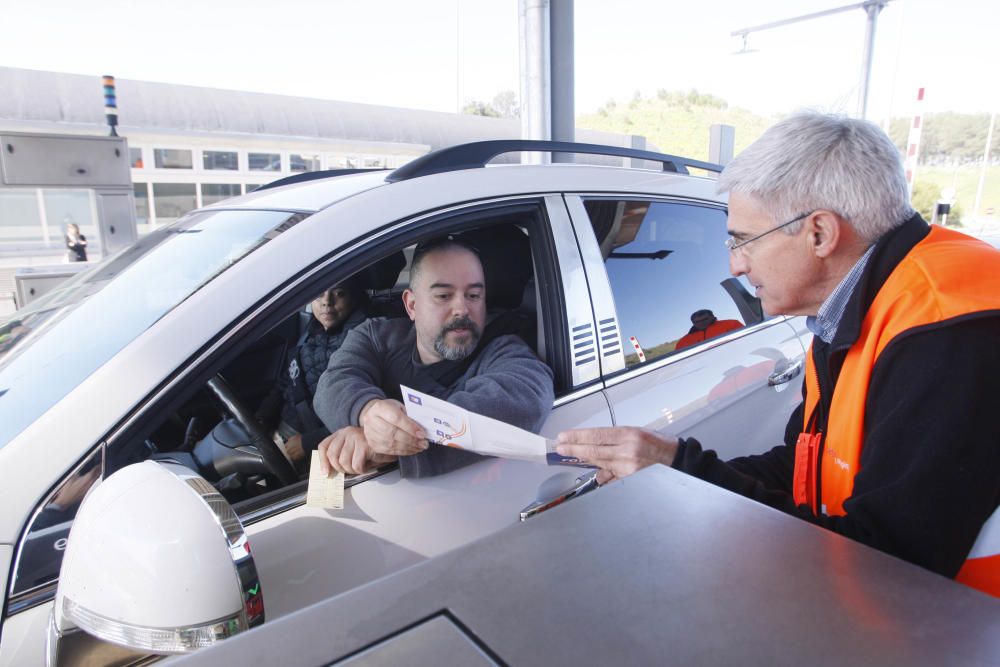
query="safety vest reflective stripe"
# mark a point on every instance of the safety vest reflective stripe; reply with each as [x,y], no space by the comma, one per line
[946,276]
[982,568]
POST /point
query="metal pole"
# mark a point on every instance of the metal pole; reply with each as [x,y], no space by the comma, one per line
[872,9]
[535,119]
[805,17]
[721,143]
[563,117]
[982,170]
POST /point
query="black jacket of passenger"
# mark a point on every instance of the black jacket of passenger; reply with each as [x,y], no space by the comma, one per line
[930,466]
[290,400]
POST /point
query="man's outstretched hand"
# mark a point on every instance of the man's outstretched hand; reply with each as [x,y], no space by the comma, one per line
[619,451]
[389,431]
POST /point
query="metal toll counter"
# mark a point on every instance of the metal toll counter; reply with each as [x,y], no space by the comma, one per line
[659,568]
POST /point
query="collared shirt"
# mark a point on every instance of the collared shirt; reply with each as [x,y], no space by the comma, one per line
[825,323]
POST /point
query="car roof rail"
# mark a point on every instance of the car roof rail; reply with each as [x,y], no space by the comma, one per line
[478,154]
[310,176]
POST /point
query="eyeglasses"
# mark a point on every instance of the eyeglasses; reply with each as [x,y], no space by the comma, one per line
[732,244]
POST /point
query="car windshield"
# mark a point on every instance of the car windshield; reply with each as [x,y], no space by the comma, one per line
[51,346]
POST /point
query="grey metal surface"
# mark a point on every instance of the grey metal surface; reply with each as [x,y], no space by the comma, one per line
[63,161]
[424,644]
[659,568]
[32,282]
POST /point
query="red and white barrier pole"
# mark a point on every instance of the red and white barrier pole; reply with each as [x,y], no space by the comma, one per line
[913,142]
[638,349]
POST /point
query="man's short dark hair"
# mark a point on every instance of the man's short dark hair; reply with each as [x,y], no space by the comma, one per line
[445,242]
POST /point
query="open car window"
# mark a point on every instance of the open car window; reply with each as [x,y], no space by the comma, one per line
[248,399]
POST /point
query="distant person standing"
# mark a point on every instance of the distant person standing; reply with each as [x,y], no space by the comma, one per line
[76,243]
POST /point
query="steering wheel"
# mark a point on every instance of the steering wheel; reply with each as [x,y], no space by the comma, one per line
[273,457]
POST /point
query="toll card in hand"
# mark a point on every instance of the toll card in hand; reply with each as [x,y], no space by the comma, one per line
[324,491]
[450,425]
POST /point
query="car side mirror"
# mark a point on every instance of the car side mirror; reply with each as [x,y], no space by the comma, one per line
[156,562]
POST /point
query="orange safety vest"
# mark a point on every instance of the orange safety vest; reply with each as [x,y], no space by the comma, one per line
[945,276]
[716,328]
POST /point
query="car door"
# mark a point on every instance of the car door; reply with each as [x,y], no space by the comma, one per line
[388,522]
[658,269]
[306,554]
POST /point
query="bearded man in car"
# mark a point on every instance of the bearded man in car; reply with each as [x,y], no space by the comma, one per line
[441,350]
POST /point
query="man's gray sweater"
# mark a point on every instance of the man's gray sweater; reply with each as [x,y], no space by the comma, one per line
[505,381]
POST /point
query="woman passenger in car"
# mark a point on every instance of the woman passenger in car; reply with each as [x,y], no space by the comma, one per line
[287,409]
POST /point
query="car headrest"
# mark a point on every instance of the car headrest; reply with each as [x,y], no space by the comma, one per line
[383,274]
[505,252]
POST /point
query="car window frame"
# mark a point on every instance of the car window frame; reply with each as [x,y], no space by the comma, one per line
[285,300]
[598,271]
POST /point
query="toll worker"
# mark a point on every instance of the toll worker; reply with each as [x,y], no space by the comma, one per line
[896,443]
[705,325]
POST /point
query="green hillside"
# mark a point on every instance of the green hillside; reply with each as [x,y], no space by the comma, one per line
[679,122]
[676,122]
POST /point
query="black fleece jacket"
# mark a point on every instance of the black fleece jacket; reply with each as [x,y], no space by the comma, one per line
[930,464]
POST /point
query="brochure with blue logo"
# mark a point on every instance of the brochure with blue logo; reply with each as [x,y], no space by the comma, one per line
[452,426]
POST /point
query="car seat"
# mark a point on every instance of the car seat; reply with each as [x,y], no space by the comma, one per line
[505,252]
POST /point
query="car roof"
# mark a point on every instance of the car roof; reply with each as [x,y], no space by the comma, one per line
[307,196]
[311,192]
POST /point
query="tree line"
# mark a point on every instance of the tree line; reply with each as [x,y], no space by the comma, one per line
[678,121]
[949,138]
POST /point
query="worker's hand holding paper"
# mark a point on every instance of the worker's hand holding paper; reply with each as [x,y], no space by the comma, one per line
[450,425]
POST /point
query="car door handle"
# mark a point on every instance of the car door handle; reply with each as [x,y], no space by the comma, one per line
[583,484]
[781,377]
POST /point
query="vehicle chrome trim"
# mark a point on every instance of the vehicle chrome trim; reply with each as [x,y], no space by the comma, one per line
[252,612]
[786,375]
[610,353]
[30,599]
[652,196]
[585,366]
[299,497]
[583,484]
[648,367]
[576,395]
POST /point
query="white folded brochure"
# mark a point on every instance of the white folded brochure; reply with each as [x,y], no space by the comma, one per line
[453,426]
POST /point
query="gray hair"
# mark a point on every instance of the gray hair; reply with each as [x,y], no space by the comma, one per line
[812,161]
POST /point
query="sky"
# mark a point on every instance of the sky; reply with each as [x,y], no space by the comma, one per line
[441,54]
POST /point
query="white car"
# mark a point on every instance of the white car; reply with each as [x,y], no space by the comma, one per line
[147,355]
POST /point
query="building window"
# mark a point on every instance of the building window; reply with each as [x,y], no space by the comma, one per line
[374,163]
[304,162]
[172,158]
[172,200]
[220,160]
[265,161]
[65,207]
[20,219]
[141,194]
[135,157]
[216,192]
